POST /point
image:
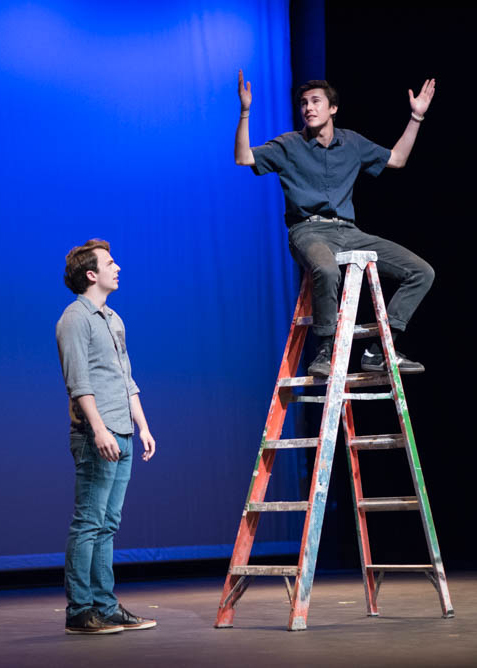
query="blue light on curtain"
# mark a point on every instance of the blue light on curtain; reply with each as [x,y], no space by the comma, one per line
[118,122]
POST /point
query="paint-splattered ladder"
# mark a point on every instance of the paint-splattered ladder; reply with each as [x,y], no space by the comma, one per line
[337,402]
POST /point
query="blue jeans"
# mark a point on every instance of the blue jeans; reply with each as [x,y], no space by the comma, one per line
[100,489]
[313,245]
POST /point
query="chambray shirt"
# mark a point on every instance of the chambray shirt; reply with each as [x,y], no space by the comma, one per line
[316,179]
[94,360]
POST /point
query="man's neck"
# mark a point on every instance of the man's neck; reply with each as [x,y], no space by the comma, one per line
[323,134]
[96,297]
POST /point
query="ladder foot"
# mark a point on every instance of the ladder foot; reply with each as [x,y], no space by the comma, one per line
[373,614]
[223,626]
[448,615]
[298,624]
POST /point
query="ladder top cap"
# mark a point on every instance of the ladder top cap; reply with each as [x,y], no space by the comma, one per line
[361,258]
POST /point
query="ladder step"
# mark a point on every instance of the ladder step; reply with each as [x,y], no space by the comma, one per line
[367,379]
[360,331]
[389,503]
[280,506]
[305,399]
[367,396]
[347,396]
[366,331]
[285,571]
[379,442]
[400,567]
[287,443]
[304,320]
[363,379]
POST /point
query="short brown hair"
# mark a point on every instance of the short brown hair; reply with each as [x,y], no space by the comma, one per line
[79,260]
[329,91]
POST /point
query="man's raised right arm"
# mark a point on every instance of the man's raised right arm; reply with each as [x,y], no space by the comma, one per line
[243,153]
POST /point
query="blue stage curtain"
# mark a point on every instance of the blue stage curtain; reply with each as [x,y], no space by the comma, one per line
[118,122]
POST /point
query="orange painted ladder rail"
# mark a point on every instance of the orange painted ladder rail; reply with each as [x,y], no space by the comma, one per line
[336,404]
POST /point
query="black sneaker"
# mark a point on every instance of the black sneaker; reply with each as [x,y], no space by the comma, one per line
[321,365]
[129,621]
[377,362]
[91,622]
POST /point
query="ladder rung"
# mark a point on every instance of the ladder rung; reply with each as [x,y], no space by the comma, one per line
[360,331]
[280,506]
[362,379]
[400,567]
[301,381]
[286,571]
[287,443]
[307,399]
[367,396]
[366,331]
[367,379]
[389,503]
[379,442]
[304,320]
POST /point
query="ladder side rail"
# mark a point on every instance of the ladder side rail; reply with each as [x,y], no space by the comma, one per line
[280,399]
[265,458]
[325,452]
[407,432]
[352,455]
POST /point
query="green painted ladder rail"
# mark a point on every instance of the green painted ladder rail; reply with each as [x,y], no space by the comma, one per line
[336,405]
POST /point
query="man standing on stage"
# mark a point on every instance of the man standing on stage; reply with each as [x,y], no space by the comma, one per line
[104,402]
[317,168]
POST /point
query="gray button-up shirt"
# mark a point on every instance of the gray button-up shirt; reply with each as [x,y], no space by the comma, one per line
[94,359]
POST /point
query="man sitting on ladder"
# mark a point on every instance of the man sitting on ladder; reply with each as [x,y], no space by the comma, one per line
[317,168]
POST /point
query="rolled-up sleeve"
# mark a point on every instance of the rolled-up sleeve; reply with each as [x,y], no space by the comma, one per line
[269,157]
[72,336]
[374,157]
[132,387]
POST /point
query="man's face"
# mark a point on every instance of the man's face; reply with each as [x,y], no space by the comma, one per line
[315,108]
[107,275]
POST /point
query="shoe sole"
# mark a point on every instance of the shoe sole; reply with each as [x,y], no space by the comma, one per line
[96,632]
[138,627]
[323,372]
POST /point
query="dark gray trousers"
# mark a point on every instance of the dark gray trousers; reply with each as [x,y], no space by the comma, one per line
[314,243]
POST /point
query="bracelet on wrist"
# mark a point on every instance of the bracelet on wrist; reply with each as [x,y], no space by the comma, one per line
[245,114]
[417,117]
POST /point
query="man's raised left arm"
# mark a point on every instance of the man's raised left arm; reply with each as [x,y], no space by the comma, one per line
[419,106]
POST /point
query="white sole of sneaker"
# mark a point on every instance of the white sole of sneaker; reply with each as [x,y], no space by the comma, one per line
[138,627]
[101,632]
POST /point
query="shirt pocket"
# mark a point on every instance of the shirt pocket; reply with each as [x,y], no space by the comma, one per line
[122,340]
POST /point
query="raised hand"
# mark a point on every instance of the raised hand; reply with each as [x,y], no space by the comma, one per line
[245,94]
[420,104]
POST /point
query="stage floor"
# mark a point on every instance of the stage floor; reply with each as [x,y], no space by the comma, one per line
[409,632]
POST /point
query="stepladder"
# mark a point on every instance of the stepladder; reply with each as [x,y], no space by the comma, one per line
[337,403]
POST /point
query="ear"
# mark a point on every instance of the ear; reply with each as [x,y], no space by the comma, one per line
[91,276]
[333,109]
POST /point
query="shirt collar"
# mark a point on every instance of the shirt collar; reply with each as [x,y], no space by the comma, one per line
[337,138]
[92,308]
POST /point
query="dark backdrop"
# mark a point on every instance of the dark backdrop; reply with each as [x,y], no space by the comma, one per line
[373,55]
